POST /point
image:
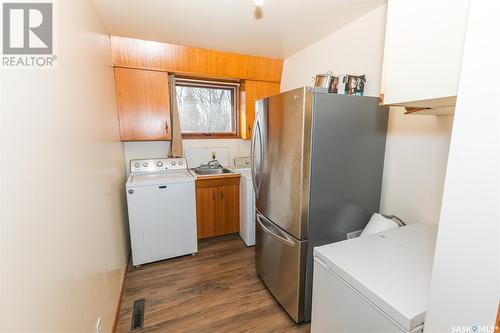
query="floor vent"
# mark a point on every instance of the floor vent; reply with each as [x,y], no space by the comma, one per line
[138,314]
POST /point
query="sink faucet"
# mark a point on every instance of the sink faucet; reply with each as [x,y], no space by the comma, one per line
[213,164]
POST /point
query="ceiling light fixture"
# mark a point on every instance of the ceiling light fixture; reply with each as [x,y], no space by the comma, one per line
[258,3]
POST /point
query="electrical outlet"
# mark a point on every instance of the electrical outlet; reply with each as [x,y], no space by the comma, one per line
[98,326]
[214,155]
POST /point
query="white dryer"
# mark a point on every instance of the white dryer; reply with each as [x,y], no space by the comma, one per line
[247,201]
[161,210]
[377,283]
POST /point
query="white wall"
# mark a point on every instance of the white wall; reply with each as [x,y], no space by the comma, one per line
[356,48]
[465,286]
[417,146]
[196,151]
[63,239]
[415,166]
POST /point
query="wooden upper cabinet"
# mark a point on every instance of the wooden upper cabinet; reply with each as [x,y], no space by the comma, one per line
[141,69]
[255,90]
[423,52]
[143,104]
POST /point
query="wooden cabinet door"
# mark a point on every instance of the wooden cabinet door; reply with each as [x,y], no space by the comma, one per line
[255,90]
[228,214]
[206,211]
[217,206]
[142,98]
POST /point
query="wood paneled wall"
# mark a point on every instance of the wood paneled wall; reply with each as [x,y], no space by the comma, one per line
[136,53]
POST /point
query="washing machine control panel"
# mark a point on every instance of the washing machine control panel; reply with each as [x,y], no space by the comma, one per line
[158,164]
[242,162]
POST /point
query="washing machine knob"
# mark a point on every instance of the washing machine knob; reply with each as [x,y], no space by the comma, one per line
[159,164]
[145,165]
[137,165]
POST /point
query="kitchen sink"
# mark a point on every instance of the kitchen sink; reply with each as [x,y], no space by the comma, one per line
[216,171]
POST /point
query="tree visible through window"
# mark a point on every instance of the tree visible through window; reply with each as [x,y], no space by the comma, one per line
[206,108]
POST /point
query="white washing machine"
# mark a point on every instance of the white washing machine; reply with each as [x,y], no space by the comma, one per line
[377,283]
[161,210]
[247,200]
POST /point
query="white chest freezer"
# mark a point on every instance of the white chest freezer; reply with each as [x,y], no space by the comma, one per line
[377,283]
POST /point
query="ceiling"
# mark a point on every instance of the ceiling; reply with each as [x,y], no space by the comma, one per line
[282,28]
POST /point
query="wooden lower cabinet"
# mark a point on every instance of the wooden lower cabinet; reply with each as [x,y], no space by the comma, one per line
[217,206]
[206,211]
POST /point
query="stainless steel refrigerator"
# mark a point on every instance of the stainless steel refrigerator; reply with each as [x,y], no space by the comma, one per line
[317,162]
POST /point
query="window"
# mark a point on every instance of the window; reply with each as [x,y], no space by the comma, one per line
[207,109]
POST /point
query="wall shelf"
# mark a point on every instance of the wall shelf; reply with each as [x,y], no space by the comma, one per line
[443,106]
[443,111]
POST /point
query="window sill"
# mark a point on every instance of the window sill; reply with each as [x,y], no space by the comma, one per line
[210,136]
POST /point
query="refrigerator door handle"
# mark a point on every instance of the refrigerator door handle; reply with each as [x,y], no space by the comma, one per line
[256,129]
[281,237]
[252,161]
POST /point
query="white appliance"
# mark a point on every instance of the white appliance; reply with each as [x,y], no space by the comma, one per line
[247,201]
[161,210]
[376,283]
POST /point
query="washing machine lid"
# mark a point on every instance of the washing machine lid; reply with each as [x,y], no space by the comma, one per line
[392,269]
[161,178]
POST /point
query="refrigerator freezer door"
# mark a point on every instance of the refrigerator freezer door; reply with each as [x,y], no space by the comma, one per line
[281,153]
[280,261]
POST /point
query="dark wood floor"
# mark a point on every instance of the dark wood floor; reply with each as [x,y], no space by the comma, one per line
[216,290]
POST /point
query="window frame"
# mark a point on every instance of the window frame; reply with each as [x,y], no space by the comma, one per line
[234,87]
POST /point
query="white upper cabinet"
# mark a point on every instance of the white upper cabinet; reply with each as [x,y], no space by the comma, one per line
[423,53]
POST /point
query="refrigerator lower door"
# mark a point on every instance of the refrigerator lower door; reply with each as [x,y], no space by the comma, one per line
[280,261]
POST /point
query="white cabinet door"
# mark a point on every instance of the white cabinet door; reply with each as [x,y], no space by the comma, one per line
[423,51]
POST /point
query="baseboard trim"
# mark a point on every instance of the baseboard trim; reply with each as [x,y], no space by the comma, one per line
[117,313]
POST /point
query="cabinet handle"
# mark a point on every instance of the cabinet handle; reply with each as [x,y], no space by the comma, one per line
[166,126]
[214,195]
[222,195]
